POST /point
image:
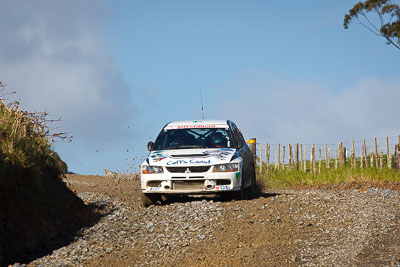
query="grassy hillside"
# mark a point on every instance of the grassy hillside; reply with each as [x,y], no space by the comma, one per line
[35,205]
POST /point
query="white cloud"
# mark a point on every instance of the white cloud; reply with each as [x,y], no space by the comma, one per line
[276,110]
[52,53]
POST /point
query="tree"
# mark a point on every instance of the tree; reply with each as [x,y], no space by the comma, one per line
[387,23]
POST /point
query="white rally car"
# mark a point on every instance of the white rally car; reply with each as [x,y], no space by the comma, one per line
[197,157]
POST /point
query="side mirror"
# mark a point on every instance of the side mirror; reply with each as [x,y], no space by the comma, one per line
[150,146]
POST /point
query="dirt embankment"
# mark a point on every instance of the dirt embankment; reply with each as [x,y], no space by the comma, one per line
[36,210]
[348,225]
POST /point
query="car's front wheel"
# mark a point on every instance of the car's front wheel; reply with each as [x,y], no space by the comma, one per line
[236,195]
[252,189]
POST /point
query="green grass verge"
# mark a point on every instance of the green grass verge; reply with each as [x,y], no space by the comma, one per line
[287,178]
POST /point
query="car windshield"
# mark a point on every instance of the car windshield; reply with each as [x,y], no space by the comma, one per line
[193,138]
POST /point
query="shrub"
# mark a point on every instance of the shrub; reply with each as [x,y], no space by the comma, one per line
[25,138]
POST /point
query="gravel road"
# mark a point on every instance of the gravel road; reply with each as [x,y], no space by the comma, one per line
[341,225]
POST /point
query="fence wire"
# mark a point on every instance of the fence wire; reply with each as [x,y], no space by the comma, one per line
[331,149]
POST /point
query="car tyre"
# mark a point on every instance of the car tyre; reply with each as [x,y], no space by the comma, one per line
[149,199]
[252,189]
[237,195]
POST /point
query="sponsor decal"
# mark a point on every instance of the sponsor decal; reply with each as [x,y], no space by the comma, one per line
[157,156]
[154,188]
[184,162]
[176,162]
[223,187]
[238,176]
[222,153]
[200,161]
[196,126]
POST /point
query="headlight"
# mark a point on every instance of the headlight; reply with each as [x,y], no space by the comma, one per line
[152,169]
[230,167]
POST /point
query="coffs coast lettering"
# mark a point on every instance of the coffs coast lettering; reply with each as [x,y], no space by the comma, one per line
[184,162]
[200,161]
[176,162]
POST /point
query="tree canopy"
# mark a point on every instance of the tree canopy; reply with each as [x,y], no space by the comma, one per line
[387,21]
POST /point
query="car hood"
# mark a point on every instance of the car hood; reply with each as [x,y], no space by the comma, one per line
[191,157]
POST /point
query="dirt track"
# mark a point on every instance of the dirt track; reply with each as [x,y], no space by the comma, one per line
[344,225]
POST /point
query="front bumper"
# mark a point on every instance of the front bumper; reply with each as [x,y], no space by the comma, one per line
[191,183]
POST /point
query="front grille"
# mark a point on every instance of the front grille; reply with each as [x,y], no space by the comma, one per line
[223,182]
[188,185]
[190,176]
[194,169]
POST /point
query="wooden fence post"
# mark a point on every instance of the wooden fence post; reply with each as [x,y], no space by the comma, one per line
[279,156]
[329,158]
[261,161]
[296,156]
[290,156]
[315,162]
[397,156]
[353,155]
[267,155]
[376,153]
[253,149]
[365,154]
[320,159]
[381,160]
[305,159]
[311,159]
[387,151]
[326,156]
[314,169]
[390,160]
[336,154]
[342,155]
[301,157]
[252,146]
[283,157]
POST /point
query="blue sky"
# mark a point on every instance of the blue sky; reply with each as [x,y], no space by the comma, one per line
[117,71]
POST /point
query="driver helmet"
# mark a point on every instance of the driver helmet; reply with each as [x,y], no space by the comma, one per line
[180,136]
[218,139]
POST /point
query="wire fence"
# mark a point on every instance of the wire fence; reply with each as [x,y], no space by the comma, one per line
[376,152]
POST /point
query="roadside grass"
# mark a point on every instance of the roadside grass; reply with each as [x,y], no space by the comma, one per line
[287,178]
[25,140]
[36,206]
